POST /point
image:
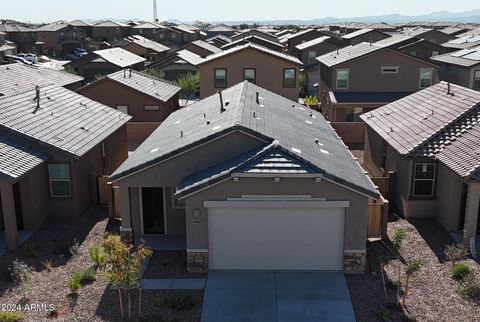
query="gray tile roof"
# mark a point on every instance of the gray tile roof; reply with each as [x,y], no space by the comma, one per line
[189,57]
[205,45]
[147,43]
[432,123]
[299,130]
[20,77]
[463,42]
[144,83]
[109,24]
[262,49]
[357,33]
[252,39]
[54,26]
[149,25]
[465,57]
[287,37]
[65,120]
[345,54]
[14,28]
[394,40]
[120,57]
[17,159]
[79,23]
[312,42]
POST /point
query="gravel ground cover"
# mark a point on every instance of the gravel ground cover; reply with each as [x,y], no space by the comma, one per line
[65,242]
[169,264]
[432,294]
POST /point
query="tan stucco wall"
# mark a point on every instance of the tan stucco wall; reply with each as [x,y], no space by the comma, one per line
[269,72]
[355,220]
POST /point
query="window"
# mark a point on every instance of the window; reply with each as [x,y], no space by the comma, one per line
[151,108]
[424,179]
[74,34]
[174,36]
[220,78]
[435,53]
[342,78]
[289,78]
[59,176]
[425,77]
[103,148]
[476,80]
[160,35]
[389,69]
[62,34]
[123,108]
[312,55]
[352,114]
[249,74]
[413,53]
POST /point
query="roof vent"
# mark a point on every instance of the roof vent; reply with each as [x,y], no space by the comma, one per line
[37,98]
[311,114]
[257,98]
[449,91]
[124,73]
[222,108]
[204,115]
[181,134]
[208,122]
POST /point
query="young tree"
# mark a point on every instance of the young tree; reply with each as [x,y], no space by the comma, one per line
[190,84]
[412,267]
[123,266]
[398,237]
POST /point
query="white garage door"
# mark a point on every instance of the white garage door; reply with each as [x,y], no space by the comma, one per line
[276,238]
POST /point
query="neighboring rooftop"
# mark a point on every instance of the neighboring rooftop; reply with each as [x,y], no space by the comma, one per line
[358,33]
[255,47]
[395,40]
[149,25]
[292,128]
[463,42]
[109,24]
[441,122]
[206,46]
[312,42]
[345,54]
[64,120]
[465,57]
[120,57]
[54,26]
[79,23]
[253,39]
[19,77]
[147,43]
[287,37]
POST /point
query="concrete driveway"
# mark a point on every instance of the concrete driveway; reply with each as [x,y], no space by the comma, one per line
[236,296]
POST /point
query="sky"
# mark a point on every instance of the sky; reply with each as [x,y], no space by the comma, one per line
[222,10]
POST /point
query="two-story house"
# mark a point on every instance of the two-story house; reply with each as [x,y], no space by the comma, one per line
[109,31]
[143,47]
[24,37]
[417,47]
[360,78]
[60,38]
[275,71]
[292,40]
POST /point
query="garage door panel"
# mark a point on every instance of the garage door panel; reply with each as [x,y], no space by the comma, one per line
[276,238]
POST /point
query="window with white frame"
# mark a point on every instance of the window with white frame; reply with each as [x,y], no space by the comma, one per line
[476,80]
[342,78]
[59,176]
[424,179]
[249,74]
[312,55]
[151,108]
[220,80]
[289,78]
[426,75]
[123,108]
[389,69]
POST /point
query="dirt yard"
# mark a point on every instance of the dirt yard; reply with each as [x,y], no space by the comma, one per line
[432,294]
[66,243]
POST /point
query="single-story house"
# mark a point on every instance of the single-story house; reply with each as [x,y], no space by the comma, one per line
[430,141]
[56,147]
[147,99]
[249,179]
[177,64]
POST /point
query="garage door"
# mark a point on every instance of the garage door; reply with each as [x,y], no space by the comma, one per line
[277,238]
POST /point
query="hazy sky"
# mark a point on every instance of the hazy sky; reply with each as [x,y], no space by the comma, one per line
[210,10]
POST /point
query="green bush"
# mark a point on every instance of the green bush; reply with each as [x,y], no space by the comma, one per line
[310,100]
[29,249]
[178,301]
[74,282]
[398,236]
[11,316]
[87,276]
[469,287]
[97,255]
[459,271]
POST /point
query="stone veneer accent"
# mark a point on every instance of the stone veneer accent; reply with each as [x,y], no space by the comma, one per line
[197,261]
[354,262]
[126,235]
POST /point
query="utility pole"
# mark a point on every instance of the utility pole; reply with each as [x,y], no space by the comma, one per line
[155,13]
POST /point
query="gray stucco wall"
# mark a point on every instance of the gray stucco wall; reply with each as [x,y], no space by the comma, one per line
[355,220]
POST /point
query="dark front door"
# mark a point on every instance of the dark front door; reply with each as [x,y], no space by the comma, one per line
[153,211]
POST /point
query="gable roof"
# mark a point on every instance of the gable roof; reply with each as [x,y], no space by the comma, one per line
[252,38]
[205,45]
[433,123]
[299,130]
[17,159]
[394,40]
[157,88]
[54,26]
[19,77]
[312,42]
[259,48]
[360,32]
[109,23]
[256,32]
[287,37]
[180,56]
[147,43]
[79,23]
[119,57]
[348,53]
[148,25]
[65,120]
[463,42]
[465,57]
[7,27]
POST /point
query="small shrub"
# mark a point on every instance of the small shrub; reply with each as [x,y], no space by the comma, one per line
[178,301]
[469,287]
[29,249]
[11,316]
[459,271]
[73,250]
[398,237]
[48,264]
[310,100]
[384,315]
[87,276]
[74,282]
[456,252]
[19,272]
[97,255]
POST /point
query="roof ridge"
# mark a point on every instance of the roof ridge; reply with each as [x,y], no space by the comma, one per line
[142,73]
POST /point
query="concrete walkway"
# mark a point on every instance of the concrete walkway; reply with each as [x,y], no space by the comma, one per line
[276,296]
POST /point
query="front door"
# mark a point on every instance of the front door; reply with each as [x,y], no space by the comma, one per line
[153,210]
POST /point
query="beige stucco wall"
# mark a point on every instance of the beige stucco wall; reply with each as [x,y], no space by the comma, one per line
[355,220]
[269,72]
